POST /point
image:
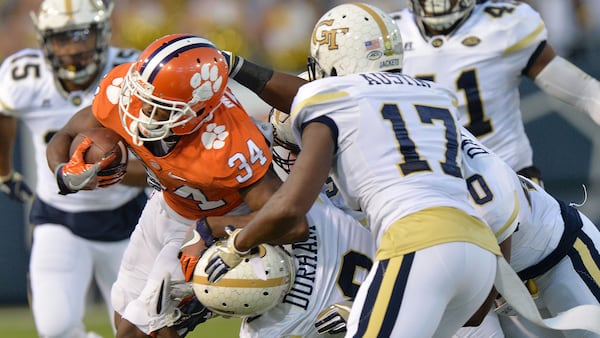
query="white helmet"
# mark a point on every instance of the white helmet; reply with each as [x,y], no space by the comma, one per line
[440,15]
[74,19]
[353,38]
[252,288]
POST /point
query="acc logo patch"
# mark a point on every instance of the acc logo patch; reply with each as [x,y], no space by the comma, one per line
[471,41]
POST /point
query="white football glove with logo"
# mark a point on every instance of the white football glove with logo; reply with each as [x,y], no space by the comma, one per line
[226,257]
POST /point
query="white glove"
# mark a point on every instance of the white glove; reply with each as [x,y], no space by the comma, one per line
[226,257]
[162,307]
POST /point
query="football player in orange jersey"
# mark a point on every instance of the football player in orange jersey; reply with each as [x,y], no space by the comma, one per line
[203,155]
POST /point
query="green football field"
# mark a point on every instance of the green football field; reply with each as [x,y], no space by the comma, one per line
[17,322]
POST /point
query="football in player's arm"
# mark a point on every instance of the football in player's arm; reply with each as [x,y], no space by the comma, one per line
[203,155]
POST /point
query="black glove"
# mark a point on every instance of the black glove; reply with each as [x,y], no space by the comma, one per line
[192,313]
[15,188]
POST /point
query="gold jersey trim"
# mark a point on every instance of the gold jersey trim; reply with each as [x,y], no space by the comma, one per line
[316,99]
[512,217]
[587,259]
[526,41]
[434,226]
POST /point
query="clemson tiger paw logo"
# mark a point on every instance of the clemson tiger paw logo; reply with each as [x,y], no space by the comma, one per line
[113,91]
[214,136]
[206,83]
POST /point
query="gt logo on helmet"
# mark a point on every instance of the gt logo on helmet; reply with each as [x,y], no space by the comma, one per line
[328,37]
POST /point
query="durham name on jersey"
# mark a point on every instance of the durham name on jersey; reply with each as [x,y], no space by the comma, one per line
[482,61]
[28,92]
[329,268]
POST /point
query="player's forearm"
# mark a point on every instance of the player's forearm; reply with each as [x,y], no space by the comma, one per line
[8,132]
[293,234]
[57,151]
[568,83]
[280,91]
[275,88]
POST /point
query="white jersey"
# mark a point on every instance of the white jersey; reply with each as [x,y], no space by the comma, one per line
[385,124]
[511,205]
[28,92]
[482,61]
[330,266]
[495,189]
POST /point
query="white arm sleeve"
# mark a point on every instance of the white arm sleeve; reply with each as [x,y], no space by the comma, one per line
[567,82]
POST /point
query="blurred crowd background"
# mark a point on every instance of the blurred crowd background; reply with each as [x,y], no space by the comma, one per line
[272,31]
[277,32]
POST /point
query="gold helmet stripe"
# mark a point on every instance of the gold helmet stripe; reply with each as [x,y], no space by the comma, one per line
[387,43]
[242,283]
[69,8]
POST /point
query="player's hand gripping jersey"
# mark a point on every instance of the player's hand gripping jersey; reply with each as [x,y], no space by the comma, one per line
[482,61]
[384,124]
[201,174]
[29,92]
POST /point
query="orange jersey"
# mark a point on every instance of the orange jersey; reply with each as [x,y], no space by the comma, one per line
[201,175]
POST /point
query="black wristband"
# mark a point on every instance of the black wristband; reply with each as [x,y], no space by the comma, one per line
[253,76]
[205,232]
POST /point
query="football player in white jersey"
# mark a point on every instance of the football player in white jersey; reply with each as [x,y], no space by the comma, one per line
[76,238]
[392,145]
[329,268]
[481,51]
[553,247]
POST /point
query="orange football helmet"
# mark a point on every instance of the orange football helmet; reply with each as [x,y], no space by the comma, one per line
[180,76]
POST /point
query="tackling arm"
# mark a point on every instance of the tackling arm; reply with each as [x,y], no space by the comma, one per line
[565,81]
[275,88]
[256,196]
[290,203]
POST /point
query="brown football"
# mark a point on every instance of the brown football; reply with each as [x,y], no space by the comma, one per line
[104,141]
